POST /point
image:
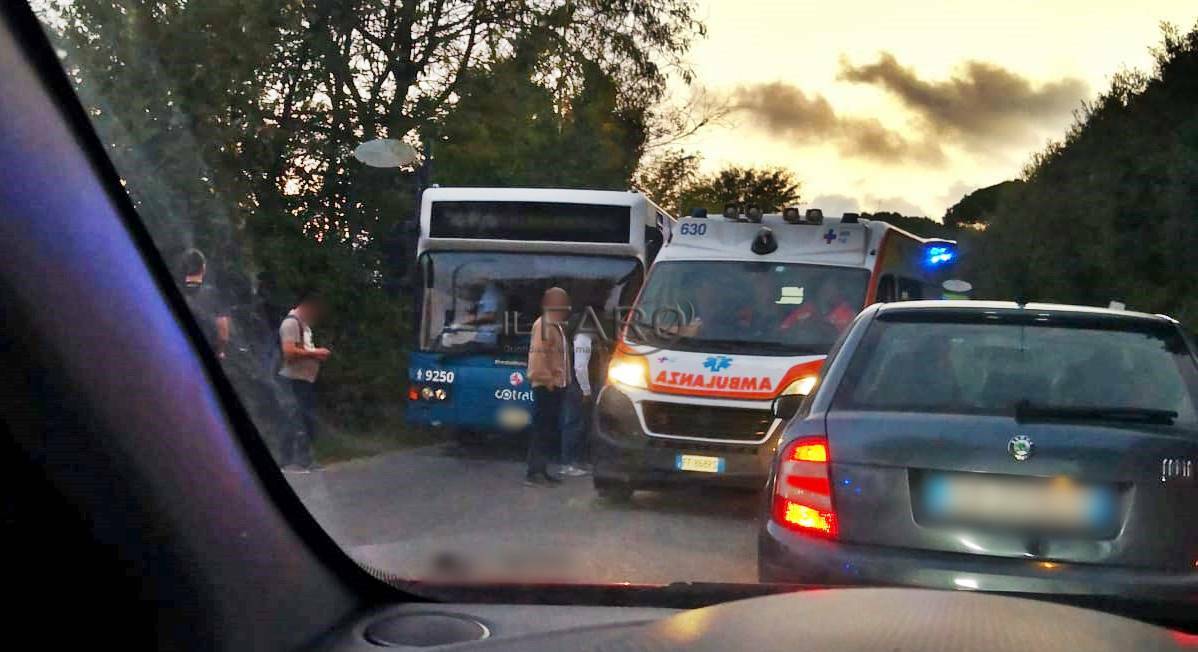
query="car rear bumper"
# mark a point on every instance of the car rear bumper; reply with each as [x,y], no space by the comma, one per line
[791,558]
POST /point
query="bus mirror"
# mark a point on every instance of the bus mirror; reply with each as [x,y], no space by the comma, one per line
[786,406]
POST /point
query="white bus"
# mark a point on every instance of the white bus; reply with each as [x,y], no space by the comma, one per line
[485,256]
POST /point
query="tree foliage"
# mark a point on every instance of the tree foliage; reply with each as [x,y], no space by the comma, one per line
[1110,212]
[975,209]
[509,130]
[667,177]
[769,188]
[232,123]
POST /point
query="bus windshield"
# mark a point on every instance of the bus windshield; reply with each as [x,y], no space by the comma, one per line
[764,308]
[481,302]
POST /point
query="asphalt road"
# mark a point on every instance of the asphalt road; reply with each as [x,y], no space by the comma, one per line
[448,510]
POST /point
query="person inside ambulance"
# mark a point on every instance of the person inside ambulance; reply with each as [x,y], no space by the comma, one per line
[713,317]
[829,308]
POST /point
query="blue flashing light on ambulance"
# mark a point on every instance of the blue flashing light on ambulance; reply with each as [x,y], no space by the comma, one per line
[484,257]
[737,310]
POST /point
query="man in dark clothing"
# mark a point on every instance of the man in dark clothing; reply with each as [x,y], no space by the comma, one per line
[301,365]
[205,302]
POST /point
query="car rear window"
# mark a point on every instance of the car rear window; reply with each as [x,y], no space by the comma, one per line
[992,367]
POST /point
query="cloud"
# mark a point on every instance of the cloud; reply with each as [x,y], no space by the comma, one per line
[981,104]
[785,110]
[893,205]
[835,204]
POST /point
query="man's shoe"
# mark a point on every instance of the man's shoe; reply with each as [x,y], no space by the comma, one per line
[294,468]
[572,471]
[535,481]
[550,478]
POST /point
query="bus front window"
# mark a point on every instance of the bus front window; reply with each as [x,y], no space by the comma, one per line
[485,302]
[748,307]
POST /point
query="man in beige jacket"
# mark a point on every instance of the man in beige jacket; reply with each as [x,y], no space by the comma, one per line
[548,371]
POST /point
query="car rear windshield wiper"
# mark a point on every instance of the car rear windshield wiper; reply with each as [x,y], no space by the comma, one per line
[1027,411]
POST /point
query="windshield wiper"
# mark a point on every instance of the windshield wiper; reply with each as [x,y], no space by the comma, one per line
[1027,411]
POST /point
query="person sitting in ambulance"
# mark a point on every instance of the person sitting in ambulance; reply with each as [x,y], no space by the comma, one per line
[709,316]
[829,308]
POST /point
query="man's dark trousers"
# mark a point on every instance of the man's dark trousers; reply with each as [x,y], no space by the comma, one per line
[545,437]
[297,445]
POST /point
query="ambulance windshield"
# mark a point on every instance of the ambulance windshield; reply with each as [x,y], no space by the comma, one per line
[764,308]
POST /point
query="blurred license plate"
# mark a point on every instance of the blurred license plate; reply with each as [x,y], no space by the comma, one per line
[1029,502]
[700,463]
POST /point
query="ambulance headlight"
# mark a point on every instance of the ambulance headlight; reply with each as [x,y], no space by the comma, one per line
[629,370]
[791,215]
[754,214]
[731,211]
[814,216]
[801,387]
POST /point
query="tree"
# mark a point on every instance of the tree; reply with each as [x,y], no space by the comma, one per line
[667,177]
[1110,211]
[232,123]
[771,189]
[507,129]
[921,226]
[978,207]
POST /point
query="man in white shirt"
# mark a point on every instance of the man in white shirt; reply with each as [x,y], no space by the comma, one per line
[301,364]
[576,412]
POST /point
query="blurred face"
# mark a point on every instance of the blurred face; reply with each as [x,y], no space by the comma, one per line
[708,294]
[556,306]
[314,310]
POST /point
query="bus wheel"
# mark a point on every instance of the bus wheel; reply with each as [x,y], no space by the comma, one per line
[613,491]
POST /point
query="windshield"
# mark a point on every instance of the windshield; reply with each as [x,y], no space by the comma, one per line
[476,302]
[997,369]
[281,156]
[747,307]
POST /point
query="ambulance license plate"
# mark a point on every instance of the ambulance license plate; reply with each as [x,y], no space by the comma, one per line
[700,463]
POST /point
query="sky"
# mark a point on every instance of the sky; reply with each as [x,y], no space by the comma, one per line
[906,106]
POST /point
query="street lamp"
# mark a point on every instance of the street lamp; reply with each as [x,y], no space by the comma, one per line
[386,153]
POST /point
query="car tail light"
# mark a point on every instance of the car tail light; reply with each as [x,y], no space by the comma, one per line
[802,498]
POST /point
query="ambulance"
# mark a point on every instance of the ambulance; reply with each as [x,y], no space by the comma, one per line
[737,310]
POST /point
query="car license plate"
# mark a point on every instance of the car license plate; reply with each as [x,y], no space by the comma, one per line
[1012,501]
[700,463]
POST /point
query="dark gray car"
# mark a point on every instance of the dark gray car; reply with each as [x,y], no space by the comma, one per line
[992,446]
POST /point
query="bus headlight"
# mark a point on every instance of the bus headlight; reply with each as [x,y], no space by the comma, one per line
[801,387]
[629,370]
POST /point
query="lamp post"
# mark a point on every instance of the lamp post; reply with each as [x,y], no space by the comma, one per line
[392,153]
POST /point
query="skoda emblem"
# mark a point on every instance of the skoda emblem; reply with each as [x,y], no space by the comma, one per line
[1020,447]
